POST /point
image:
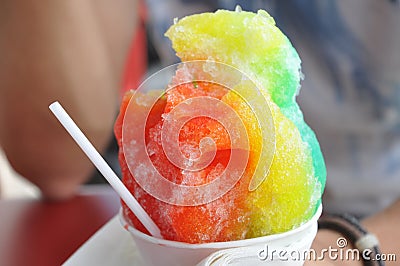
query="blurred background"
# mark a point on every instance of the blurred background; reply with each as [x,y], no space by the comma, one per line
[350,93]
[12,184]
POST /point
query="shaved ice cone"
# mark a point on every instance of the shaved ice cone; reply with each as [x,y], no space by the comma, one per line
[221,153]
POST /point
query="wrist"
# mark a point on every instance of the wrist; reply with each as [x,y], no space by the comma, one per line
[365,244]
[334,248]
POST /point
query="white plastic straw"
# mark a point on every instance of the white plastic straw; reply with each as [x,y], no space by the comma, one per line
[104,168]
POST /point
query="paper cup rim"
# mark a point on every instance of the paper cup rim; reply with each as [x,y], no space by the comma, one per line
[218,245]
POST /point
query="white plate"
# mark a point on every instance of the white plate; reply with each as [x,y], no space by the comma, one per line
[110,245]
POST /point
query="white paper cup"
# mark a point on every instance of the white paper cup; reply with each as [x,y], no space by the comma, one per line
[288,248]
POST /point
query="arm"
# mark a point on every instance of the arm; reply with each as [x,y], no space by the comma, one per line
[66,51]
[384,225]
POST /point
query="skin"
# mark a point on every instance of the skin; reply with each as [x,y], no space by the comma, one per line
[384,225]
[71,51]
